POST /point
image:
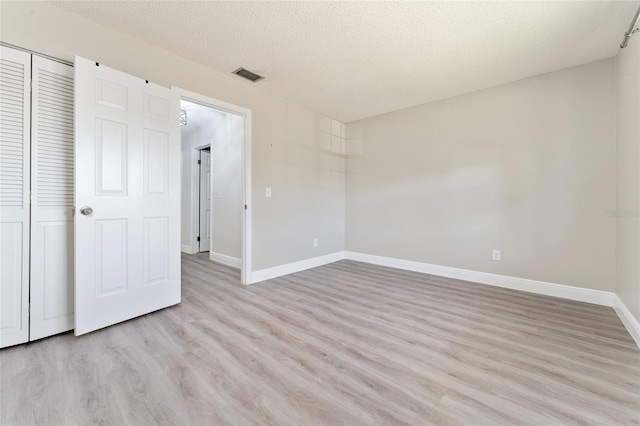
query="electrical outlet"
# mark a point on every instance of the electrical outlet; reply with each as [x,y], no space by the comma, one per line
[495,255]
[315,242]
[267,193]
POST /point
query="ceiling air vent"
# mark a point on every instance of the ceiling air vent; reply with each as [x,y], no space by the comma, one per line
[251,76]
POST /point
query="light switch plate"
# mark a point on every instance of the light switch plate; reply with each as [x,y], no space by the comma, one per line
[267,193]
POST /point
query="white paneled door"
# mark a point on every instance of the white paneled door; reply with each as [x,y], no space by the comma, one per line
[15,110]
[205,201]
[51,198]
[127,201]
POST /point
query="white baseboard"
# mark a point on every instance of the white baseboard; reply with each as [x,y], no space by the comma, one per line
[627,318]
[597,297]
[234,262]
[186,249]
[290,268]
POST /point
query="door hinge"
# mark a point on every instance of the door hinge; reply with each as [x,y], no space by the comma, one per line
[245,206]
[198,239]
[199,162]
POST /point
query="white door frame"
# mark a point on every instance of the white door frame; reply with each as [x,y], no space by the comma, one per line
[195,196]
[246,160]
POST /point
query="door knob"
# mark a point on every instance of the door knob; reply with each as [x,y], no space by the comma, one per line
[86,210]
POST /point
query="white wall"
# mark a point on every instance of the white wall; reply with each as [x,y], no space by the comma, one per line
[226,187]
[527,167]
[286,137]
[190,139]
[628,176]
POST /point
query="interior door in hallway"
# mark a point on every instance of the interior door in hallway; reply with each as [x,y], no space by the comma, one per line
[127,227]
[205,201]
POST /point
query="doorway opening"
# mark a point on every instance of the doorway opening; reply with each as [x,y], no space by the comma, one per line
[216,149]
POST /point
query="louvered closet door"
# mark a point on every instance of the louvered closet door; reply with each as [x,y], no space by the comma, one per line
[15,72]
[52,157]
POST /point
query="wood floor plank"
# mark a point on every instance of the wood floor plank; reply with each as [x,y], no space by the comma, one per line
[346,343]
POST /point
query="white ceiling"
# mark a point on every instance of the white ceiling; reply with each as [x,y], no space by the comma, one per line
[352,60]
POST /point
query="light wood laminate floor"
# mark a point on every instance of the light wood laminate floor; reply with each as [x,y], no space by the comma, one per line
[347,343]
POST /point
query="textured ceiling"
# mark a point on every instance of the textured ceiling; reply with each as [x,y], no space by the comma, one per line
[352,60]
